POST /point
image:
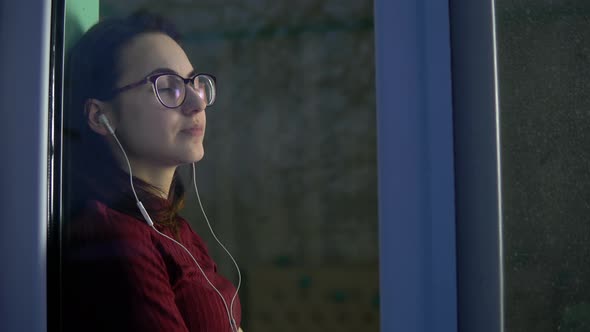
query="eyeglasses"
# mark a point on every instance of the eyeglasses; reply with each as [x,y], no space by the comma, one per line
[170,88]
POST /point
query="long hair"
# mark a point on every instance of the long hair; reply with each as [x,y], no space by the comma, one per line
[92,70]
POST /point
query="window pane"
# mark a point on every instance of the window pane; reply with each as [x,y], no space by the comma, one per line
[288,178]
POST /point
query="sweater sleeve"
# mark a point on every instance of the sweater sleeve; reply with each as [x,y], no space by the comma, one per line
[115,279]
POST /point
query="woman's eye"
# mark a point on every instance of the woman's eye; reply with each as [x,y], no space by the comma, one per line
[171,92]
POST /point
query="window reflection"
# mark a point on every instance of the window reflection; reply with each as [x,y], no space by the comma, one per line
[288,177]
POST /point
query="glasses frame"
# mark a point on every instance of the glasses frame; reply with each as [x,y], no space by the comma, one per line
[152,78]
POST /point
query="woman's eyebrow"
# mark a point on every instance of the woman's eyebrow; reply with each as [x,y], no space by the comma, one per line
[170,71]
[162,71]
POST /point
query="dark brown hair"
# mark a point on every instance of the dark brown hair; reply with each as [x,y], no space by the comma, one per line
[92,70]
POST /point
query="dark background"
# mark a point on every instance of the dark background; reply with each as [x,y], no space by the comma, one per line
[544,66]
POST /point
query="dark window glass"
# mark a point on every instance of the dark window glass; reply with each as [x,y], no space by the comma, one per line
[288,179]
[544,62]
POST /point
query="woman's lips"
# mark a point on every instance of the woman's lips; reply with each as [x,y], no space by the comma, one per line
[193,131]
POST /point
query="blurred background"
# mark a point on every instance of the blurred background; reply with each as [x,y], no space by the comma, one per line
[289,178]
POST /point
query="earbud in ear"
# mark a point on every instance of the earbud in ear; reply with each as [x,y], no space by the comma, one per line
[105,121]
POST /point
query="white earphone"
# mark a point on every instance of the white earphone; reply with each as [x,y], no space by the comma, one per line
[105,121]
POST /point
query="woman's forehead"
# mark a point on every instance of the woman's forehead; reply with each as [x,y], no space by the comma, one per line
[151,51]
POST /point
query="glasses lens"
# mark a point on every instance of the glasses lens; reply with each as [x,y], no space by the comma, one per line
[171,90]
[205,88]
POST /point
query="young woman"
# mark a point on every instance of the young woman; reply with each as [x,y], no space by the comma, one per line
[135,111]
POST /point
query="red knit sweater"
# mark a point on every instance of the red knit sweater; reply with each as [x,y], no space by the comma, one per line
[121,275]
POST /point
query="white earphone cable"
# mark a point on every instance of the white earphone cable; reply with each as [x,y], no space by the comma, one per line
[230,316]
[229,310]
[218,241]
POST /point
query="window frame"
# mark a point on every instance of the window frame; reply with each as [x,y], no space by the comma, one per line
[428,141]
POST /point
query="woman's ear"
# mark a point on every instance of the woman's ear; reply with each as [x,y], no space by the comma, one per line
[94,108]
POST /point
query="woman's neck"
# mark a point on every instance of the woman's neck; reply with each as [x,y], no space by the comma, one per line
[158,176]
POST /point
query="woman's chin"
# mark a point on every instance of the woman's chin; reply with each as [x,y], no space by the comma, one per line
[192,156]
[197,156]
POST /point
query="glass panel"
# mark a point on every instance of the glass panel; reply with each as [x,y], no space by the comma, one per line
[543,56]
[288,178]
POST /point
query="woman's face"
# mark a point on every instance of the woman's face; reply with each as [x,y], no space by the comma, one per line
[152,134]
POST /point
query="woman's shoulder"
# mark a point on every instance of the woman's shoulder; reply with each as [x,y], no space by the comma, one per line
[96,220]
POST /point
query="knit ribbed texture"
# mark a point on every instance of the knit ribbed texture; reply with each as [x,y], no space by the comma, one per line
[121,275]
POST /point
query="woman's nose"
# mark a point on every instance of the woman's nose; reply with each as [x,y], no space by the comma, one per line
[194,101]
